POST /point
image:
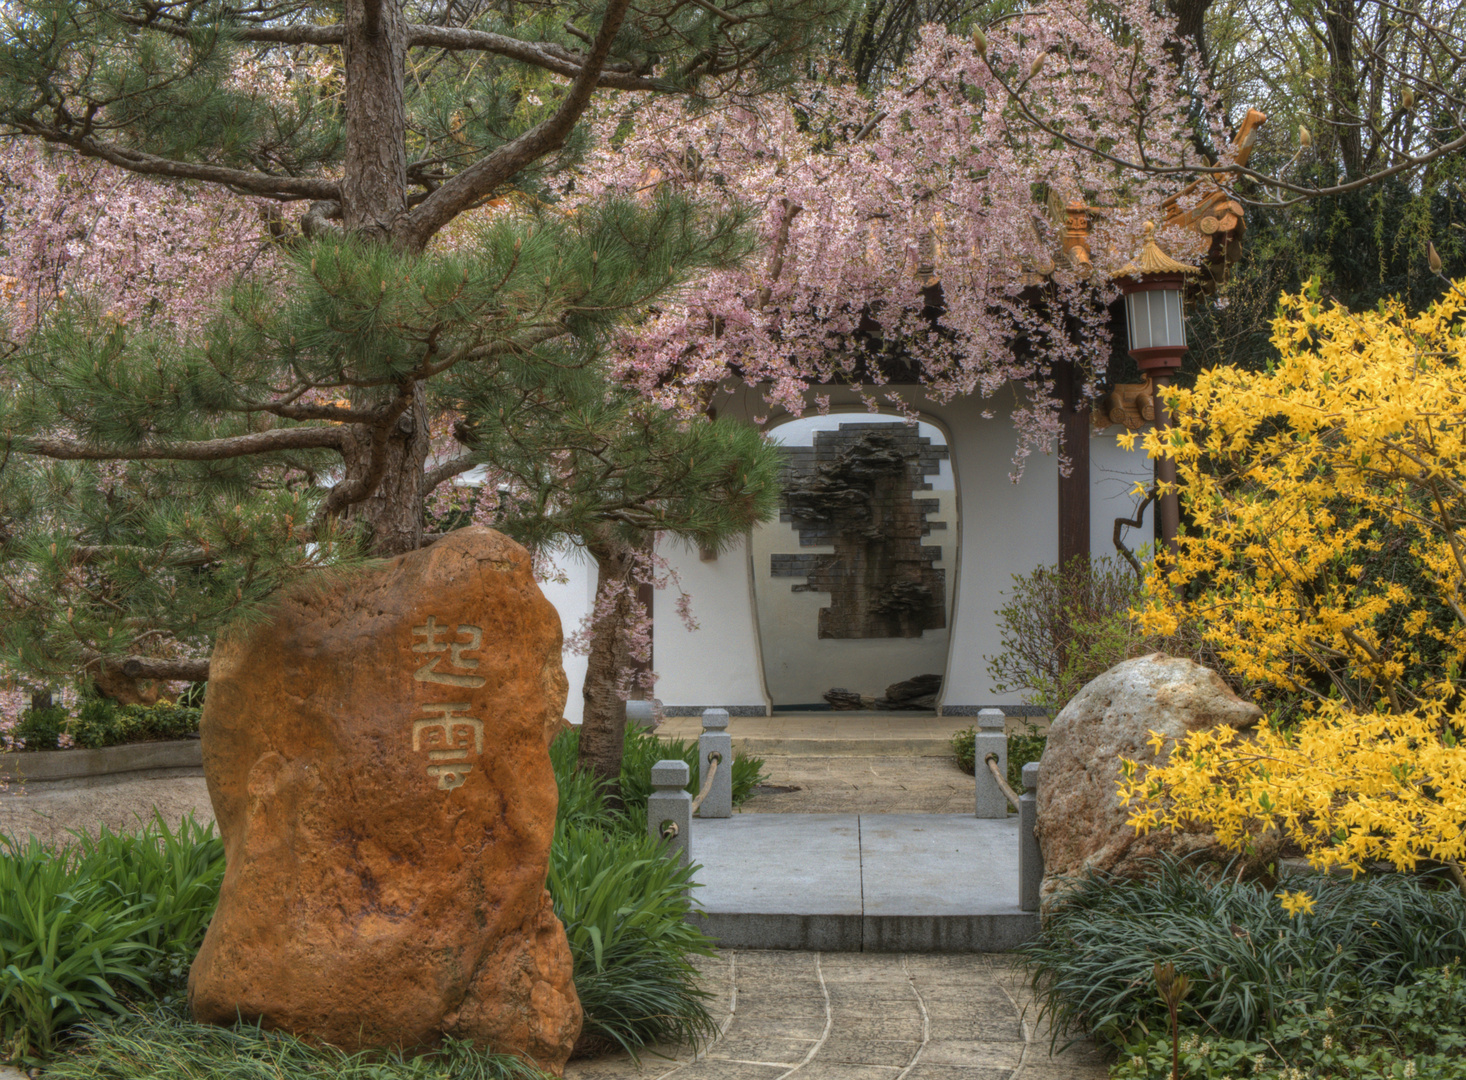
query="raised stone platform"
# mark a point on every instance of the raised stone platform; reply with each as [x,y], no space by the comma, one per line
[861,882]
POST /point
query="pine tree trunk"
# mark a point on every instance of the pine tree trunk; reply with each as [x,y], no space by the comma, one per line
[603,724]
[373,199]
[393,511]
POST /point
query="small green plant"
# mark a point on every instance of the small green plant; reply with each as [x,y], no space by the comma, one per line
[40,729]
[162,1044]
[964,749]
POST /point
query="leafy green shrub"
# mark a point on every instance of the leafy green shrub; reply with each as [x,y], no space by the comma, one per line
[86,926]
[624,905]
[163,1045]
[1062,627]
[1023,747]
[102,722]
[1251,965]
[1421,1023]
[40,729]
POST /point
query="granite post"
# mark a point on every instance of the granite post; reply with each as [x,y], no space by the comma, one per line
[1030,855]
[669,808]
[715,740]
[991,739]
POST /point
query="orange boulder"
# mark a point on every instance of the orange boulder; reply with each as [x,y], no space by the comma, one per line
[376,753]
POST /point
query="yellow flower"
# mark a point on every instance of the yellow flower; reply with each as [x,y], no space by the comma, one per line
[1296,903]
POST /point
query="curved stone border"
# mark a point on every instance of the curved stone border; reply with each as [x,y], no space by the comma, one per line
[42,766]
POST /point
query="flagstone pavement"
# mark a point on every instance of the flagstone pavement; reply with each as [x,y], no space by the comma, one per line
[864,1016]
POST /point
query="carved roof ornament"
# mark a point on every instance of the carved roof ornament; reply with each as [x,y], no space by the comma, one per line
[1153,260]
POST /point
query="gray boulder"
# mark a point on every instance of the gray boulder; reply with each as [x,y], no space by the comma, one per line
[1081,821]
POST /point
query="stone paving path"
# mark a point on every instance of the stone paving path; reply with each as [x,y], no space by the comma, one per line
[862,784]
[864,1016]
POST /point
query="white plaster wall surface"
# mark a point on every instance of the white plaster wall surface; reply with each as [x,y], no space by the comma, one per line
[718,663]
[997,529]
[573,599]
[799,666]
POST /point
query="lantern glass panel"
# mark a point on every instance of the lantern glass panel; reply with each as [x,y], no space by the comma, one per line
[1154,320]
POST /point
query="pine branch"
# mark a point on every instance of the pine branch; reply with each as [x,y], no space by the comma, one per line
[263,184]
[88,554]
[449,469]
[149,667]
[484,176]
[542,54]
[262,442]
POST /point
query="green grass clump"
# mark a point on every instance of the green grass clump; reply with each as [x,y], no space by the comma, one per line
[162,1045]
[1251,966]
[625,904]
[1417,1029]
[89,926]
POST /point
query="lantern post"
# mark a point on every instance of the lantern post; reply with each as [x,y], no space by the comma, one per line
[1154,286]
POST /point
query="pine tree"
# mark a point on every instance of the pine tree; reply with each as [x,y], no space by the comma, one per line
[592,462]
[157,480]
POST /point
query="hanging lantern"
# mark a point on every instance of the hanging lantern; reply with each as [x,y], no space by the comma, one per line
[1154,319]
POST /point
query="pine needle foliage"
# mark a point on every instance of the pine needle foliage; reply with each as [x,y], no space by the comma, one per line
[158,480]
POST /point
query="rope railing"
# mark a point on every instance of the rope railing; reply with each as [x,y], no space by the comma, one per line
[707,784]
[669,829]
[1008,793]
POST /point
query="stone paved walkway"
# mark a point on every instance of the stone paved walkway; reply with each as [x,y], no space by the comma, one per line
[864,1016]
[861,784]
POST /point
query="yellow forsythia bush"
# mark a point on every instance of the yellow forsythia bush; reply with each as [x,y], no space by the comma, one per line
[1324,556]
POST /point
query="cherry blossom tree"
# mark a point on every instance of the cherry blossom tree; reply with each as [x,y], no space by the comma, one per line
[867,205]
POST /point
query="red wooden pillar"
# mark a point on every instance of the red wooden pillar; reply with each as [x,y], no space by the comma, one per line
[1074,488]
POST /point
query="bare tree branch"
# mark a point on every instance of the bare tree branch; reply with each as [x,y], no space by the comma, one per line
[146,667]
[449,469]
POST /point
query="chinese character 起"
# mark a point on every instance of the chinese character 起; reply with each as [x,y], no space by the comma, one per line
[432,642]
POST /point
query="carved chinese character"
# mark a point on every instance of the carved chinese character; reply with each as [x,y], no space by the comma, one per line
[450,776]
[432,642]
[454,731]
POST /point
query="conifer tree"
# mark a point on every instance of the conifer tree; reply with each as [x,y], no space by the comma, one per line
[158,480]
